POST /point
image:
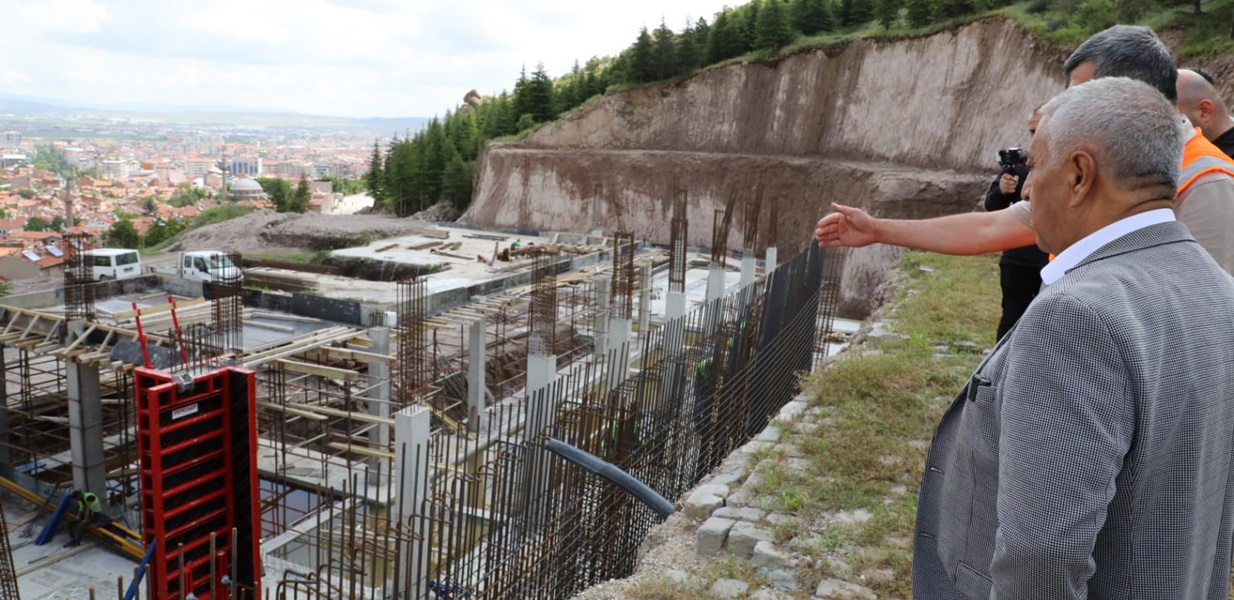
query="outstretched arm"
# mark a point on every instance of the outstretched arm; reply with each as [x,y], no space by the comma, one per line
[967,233]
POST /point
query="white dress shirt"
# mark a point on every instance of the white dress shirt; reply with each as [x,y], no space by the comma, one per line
[1092,242]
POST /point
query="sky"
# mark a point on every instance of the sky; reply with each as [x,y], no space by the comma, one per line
[347,58]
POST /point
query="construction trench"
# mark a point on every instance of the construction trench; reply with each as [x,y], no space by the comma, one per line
[259,444]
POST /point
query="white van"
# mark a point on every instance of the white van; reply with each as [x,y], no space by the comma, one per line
[114,263]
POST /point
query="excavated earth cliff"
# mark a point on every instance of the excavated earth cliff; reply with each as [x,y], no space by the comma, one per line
[903,128]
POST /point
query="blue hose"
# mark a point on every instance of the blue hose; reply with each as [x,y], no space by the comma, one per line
[597,466]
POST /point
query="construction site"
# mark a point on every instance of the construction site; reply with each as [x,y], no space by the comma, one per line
[410,434]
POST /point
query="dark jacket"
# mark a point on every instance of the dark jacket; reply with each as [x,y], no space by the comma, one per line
[995,199]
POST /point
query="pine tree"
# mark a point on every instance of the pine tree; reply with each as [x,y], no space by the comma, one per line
[521,103]
[920,13]
[950,9]
[665,57]
[642,59]
[750,34]
[773,27]
[812,17]
[456,184]
[860,12]
[687,50]
[505,115]
[373,178]
[301,198]
[715,39]
[539,96]
[888,12]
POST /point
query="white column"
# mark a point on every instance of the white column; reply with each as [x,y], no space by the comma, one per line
[748,262]
[411,437]
[86,428]
[603,300]
[476,385]
[541,371]
[379,400]
[715,283]
[644,300]
[769,263]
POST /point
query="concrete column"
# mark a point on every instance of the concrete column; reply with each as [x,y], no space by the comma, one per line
[603,301]
[411,437]
[379,401]
[476,384]
[541,413]
[6,457]
[644,300]
[715,283]
[86,428]
[619,337]
[770,261]
[748,262]
[541,371]
[675,306]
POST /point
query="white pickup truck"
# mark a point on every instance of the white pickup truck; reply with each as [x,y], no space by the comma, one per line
[210,266]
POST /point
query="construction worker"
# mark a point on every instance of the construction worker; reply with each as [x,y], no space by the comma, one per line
[87,507]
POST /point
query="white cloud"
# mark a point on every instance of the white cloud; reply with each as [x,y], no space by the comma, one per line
[340,57]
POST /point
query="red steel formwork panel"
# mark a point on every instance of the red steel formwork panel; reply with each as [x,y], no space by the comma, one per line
[198,451]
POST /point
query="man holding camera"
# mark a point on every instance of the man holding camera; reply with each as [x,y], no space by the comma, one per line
[1019,268]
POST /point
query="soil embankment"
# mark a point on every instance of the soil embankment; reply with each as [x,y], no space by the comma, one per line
[266,232]
[903,128]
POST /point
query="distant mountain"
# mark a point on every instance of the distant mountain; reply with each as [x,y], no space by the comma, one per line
[29,106]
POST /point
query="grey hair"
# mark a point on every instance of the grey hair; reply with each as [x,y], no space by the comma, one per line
[1138,133]
[1128,51]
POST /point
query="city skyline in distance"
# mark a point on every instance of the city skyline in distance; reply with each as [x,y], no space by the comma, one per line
[341,58]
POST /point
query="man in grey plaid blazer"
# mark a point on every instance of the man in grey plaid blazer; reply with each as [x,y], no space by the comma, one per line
[1090,455]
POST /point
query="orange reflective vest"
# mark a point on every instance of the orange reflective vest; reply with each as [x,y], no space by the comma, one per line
[1201,157]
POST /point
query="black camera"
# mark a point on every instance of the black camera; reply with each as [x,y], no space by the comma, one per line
[1012,159]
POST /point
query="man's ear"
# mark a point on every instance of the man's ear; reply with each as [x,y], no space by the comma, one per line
[1084,174]
[1205,109]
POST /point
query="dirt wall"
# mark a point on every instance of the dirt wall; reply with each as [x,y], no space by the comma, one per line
[905,128]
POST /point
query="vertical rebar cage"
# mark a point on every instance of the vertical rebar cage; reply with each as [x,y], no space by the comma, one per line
[412,339]
[678,237]
[623,275]
[78,278]
[542,340]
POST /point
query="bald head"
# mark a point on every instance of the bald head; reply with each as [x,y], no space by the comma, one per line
[1199,100]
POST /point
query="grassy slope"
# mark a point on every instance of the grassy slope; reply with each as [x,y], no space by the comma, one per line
[875,411]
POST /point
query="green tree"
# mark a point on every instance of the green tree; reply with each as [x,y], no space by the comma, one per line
[725,40]
[856,13]
[773,27]
[525,122]
[665,56]
[642,59]
[27,193]
[888,12]
[47,158]
[920,13]
[373,178]
[57,224]
[36,224]
[950,9]
[457,182]
[123,235]
[279,191]
[539,91]
[812,17]
[521,102]
[301,198]
[749,22]
[402,169]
